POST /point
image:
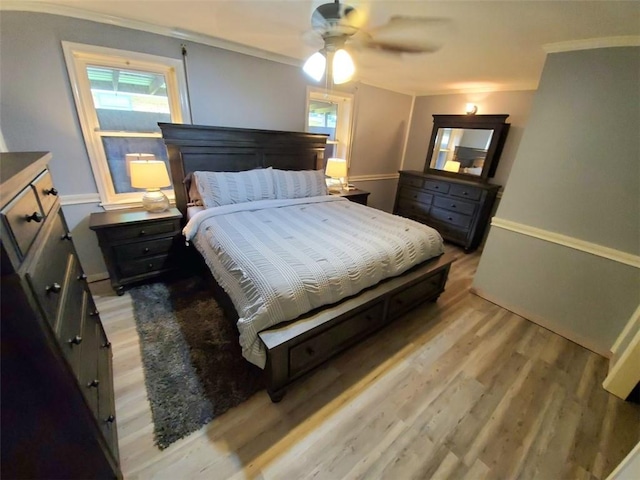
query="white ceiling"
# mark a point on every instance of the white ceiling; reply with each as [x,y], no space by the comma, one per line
[489,45]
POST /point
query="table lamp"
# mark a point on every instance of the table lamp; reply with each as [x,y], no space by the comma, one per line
[152,175]
[336,169]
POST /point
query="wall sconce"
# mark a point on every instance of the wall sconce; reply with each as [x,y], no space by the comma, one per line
[152,175]
[471,109]
[336,169]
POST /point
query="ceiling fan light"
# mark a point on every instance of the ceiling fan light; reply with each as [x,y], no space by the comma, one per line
[343,67]
[315,65]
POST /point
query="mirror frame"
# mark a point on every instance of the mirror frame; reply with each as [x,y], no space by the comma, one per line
[485,122]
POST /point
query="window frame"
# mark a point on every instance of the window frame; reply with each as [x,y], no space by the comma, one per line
[344,118]
[77,57]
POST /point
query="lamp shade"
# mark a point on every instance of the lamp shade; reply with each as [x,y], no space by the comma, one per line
[336,167]
[315,65]
[343,68]
[452,166]
[132,157]
[151,174]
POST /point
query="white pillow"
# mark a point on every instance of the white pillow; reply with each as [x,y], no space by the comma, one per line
[299,183]
[224,188]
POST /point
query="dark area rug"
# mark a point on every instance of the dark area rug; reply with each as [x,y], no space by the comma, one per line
[193,364]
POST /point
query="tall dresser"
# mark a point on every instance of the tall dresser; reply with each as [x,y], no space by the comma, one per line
[460,210]
[57,402]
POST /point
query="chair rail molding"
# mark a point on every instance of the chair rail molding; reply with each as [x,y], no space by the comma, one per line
[567,241]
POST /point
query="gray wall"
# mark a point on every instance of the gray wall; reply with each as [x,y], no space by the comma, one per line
[516,104]
[37,110]
[577,173]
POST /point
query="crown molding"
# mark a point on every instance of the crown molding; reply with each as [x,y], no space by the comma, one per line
[591,43]
[533,86]
[567,241]
[181,34]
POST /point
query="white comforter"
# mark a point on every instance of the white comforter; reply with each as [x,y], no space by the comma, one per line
[278,259]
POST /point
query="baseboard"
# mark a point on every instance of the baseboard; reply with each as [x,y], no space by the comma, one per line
[544,323]
[97,277]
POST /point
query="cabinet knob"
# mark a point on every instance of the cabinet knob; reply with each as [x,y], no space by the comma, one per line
[94,313]
[142,232]
[51,191]
[145,250]
[150,266]
[450,219]
[53,288]
[35,217]
[437,187]
[66,236]
[310,351]
[77,340]
[82,276]
[106,344]
[93,383]
[465,193]
[453,205]
[110,419]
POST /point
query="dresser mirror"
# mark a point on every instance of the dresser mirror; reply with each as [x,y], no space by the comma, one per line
[466,146]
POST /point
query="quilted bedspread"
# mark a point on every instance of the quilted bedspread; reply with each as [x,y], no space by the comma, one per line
[278,259]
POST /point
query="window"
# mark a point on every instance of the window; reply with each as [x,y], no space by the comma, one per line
[331,113]
[120,97]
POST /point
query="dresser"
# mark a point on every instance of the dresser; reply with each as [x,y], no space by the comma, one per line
[58,412]
[460,210]
[138,245]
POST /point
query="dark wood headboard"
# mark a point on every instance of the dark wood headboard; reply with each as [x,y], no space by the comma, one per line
[223,149]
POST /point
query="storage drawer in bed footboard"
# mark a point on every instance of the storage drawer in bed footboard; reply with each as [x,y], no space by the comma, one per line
[317,349]
[426,289]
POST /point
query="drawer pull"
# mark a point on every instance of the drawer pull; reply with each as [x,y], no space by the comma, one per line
[399,301]
[66,236]
[77,340]
[450,219]
[453,205]
[82,276]
[94,313]
[310,351]
[93,383]
[142,232]
[465,193]
[35,216]
[110,419]
[51,191]
[145,250]
[106,345]
[53,288]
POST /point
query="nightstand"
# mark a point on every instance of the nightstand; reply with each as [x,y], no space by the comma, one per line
[356,195]
[136,244]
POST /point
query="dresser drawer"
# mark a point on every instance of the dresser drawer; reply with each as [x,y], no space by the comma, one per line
[435,186]
[47,278]
[69,325]
[43,186]
[106,398]
[89,379]
[447,216]
[412,181]
[317,349]
[463,191]
[141,231]
[424,290]
[148,248]
[411,209]
[146,265]
[455,205]
[23,217]
[416,195]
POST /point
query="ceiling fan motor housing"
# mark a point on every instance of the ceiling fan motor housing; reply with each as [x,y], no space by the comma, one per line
[332,20]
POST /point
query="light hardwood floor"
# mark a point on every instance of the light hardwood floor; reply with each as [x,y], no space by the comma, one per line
[457,389]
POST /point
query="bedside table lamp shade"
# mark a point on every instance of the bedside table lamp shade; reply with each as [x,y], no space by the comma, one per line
[337,168]
[151,175]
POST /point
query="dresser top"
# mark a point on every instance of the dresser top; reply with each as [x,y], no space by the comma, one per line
[442,178]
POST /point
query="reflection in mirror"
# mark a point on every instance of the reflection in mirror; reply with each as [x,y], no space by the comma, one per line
[461,150]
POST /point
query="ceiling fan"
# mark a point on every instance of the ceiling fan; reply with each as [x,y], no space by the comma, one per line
[340,25]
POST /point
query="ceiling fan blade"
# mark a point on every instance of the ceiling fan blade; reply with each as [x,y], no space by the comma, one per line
[407,35]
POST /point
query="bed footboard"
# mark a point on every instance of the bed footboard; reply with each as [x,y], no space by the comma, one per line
[295,348]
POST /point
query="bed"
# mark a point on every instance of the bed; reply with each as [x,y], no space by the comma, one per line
[293,345]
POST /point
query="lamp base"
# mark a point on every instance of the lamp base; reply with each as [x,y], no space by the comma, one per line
[155,201]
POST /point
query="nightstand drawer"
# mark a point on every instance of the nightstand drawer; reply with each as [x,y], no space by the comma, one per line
[453,218]
[141,231]
[149,248]
[145,265]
